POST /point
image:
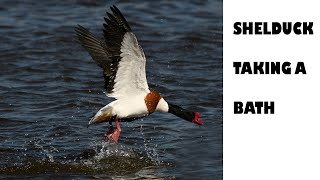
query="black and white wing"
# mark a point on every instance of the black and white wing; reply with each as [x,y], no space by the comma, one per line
[126,58]
[96,48]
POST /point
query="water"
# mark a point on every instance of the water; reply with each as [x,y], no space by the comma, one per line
[50,88]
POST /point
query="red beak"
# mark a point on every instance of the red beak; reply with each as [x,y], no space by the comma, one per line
[196,119]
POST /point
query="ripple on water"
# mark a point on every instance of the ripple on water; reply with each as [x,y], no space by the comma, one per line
[104,159]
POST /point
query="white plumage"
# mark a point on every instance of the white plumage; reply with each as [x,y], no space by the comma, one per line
[123,62]
[131,74]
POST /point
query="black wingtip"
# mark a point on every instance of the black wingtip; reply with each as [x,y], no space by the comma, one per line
[80,29]
[120,18]
[76,28]
[113,7]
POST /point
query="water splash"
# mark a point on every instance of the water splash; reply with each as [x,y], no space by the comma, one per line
[45,149]
[106,149]
[150,148]
[102,157]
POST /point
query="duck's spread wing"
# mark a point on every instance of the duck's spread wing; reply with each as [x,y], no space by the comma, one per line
[128,74]
[96,48]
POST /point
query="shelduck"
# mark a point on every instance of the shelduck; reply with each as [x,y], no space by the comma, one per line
[123,62]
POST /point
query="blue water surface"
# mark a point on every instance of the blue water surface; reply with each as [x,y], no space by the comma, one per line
[50,88]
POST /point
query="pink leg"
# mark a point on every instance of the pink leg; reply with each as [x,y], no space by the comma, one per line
[114,133]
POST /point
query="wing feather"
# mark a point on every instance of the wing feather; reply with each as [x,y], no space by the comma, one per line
[120,56]
[128,59]
[95,47]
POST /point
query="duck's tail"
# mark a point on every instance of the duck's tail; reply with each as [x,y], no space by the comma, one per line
[103,115]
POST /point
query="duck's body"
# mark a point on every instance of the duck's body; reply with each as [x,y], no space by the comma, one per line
[131,108]
[123,63]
